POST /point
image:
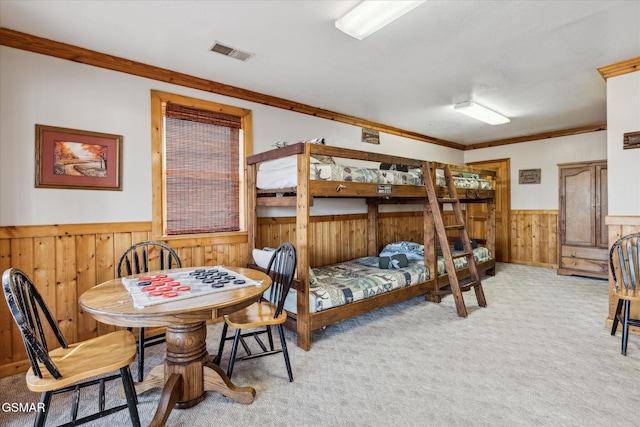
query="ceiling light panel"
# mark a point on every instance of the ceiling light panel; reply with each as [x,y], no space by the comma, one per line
[371,15]
[481,113]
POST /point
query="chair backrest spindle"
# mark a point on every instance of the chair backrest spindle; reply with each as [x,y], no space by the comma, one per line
[624,259]
[26,306]
[137,259]
[281,269]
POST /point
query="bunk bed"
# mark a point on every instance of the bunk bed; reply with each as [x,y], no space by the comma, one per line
[307,171]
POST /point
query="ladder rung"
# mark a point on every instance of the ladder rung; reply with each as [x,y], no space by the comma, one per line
[453,227]
[462,255]
[447,200]
[470,285]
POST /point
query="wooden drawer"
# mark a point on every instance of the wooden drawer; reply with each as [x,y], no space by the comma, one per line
[587,265]
[586,253]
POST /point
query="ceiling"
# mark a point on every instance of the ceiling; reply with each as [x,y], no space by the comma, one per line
[534,61]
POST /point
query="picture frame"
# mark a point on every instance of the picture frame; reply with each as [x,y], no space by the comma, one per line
[631,140]
[78,159]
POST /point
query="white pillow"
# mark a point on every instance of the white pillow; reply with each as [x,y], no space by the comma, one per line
[262,257]
[277,164]
[284,162]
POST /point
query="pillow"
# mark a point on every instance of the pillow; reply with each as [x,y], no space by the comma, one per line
[263,256]
[278,164]
[313,281]
[469,175]
[458,244]
[394,261]
[413,251]
[320,157]
[394,167]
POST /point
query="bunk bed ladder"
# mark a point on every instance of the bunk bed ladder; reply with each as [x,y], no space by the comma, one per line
[436,203]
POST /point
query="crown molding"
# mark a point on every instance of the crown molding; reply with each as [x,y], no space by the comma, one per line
[80,55]
[538,136]
[31,43]
[620,68]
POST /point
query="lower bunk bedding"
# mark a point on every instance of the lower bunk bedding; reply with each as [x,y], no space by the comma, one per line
[343,283]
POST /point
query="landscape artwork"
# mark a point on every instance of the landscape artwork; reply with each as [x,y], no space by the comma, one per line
[77,159]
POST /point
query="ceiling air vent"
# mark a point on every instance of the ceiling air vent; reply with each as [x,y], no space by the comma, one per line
[230,52]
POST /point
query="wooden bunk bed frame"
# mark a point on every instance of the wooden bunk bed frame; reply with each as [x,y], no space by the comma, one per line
[301,197]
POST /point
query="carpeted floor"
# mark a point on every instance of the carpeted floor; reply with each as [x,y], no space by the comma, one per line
[538,355]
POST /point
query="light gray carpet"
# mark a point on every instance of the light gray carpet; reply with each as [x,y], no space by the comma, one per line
[538,355]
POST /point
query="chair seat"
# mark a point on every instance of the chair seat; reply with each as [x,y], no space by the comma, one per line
[85,359]
[255,315]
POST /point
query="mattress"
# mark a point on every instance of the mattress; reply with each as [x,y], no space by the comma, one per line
[361,278]
[284,174]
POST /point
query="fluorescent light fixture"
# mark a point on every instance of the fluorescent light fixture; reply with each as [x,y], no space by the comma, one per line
[371,15]
[481,113]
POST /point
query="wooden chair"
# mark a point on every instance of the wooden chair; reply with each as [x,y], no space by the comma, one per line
[69,367]
[141,258]
[263,314]
[624,259]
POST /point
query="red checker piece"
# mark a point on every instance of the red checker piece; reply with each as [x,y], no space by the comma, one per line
[170,294]
[172,284]
[148,288]
[166,279]
[145,279]
[183,288]
[165,289]
[156,293]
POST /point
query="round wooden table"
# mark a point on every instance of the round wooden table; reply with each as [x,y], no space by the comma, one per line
[188,371]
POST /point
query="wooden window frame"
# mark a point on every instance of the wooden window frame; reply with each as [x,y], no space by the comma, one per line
[158,223]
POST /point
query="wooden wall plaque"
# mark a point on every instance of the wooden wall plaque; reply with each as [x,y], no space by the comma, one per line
[631,140]
[529,176]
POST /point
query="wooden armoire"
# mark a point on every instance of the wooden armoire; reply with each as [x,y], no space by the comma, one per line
[583,239]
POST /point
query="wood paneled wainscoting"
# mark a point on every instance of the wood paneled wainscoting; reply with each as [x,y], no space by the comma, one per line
[534,237]
[66,260]
[338,238]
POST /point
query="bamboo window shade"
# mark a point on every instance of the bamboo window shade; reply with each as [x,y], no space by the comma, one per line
[201,170]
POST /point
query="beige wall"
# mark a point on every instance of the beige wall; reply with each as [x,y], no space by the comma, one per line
[38,89]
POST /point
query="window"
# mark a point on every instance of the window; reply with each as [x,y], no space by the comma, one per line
[199,149]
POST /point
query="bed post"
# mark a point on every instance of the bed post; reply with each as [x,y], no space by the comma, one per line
[373,208]
[490,230]
[429,236]
[303,321]
[252,221]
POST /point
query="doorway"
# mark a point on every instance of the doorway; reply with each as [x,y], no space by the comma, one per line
[477,212]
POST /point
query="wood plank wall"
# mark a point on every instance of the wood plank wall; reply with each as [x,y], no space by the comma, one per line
[351,229]
[65,260]
[534,237]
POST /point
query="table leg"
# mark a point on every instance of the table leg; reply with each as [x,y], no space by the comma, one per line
[170,394]
[189,373]
[155,379]
[215,379]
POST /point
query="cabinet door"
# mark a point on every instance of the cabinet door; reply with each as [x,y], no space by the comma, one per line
[578,206]
[602,207]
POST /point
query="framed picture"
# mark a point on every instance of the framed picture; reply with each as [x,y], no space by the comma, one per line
[78,159]
[631,140]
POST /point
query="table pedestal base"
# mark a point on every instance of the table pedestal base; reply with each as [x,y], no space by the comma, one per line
[187,373]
